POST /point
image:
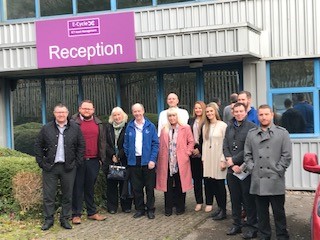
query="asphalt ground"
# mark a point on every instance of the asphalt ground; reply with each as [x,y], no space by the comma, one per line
[189,226]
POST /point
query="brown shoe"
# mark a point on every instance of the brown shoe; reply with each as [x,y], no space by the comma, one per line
[76,220]
[97,217]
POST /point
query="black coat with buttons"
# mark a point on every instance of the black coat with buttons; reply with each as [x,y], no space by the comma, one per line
[267,155]
[47,142]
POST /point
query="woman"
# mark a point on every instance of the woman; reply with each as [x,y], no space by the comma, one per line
[214,163]
[196,122]
[115,131]
[173,168]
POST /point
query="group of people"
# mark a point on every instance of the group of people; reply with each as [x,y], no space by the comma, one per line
[247,151]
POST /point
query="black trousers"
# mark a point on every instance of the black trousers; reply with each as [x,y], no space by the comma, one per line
[277,204]
[86,178]
[215,188]
[174,195]
[197,176]
[240,194]
[143,178]
[113,193]
[50,183]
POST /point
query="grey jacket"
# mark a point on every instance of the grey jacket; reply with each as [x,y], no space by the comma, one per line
[267,155]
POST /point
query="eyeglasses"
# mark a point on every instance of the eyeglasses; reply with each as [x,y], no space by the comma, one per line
[87,109]
[61,112]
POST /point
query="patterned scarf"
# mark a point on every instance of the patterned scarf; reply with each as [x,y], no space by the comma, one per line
[173,164]
[117,130]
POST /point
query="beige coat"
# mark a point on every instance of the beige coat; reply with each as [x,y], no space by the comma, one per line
[212,157]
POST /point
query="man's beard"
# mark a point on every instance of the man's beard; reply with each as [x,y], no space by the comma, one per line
[87,117]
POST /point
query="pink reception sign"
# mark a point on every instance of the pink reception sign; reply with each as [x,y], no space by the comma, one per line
[101,39]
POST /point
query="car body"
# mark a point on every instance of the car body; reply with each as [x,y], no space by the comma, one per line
[311,164]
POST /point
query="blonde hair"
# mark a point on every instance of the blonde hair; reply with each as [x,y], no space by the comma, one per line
[172,111]
[203,117]
[118,109]
[207,121]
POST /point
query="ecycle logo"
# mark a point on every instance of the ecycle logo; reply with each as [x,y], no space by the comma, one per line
[83,27]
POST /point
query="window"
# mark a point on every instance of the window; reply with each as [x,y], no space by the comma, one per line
[20,9]
[171,1]
[55,7]
[139,87]
[294,93]
[93,5]
[133,3]
[101,90]
[184,85]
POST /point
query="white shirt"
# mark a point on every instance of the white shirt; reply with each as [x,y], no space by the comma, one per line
[163,118]
[138,143]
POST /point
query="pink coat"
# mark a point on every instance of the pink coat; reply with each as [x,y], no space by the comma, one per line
[185,144]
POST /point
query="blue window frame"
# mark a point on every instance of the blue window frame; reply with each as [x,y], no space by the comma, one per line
[309,85]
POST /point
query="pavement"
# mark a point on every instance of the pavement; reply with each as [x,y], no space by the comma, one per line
[189,226]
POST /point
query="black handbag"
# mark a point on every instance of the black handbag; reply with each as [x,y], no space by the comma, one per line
[117,172]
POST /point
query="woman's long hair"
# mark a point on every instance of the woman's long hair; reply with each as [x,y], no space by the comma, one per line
[203,117]
[207,121]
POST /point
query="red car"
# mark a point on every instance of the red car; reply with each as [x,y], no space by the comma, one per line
[310,164]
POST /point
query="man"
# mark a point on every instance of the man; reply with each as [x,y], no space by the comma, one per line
[227,111]
[94,136]
[172,101]
[306,111]
[141,146]
[268,153]
[59,150]
[292,119]
[233,146]
[245,98]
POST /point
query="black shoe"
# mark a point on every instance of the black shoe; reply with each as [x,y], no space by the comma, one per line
[234,230]
[216,212]
[138,214]
[222,215]
[111,211]
[46,225]
[151,215]
[168,214]
[180,212]
[65,224]
[250,234]
[127,211]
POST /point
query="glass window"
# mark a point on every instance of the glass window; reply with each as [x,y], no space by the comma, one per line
[139,87]
[294,111]
[184,85]
[171,1]
[62,90]
[20,9]
[27,101]
[101,90]
[93,5]
[220,84]
[133,3]
[285,74]
[55,7]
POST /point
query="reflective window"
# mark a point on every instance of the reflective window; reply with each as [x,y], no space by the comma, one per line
[101,90]
[171,1]
[139,87]
[294,111]
[61,90]
[220,84]
[55,7]
[184,85]
[20,9]
[285,74]
[133,3]
[93,5]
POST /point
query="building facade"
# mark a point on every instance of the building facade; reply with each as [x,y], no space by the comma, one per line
[199,49]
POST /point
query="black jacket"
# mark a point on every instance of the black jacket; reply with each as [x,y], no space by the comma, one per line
[47,142]
[235,137]
[110,138]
